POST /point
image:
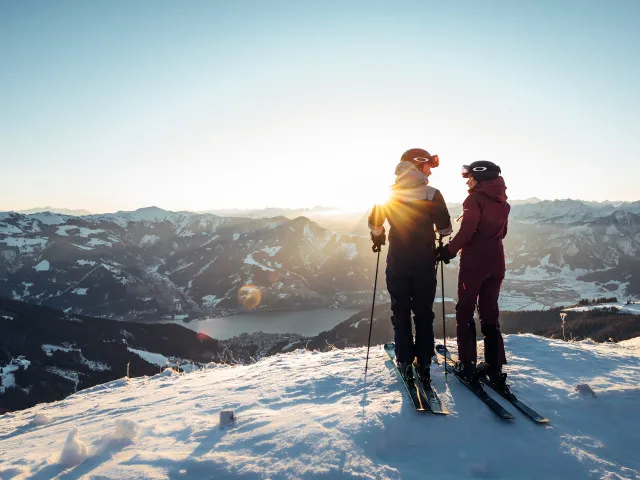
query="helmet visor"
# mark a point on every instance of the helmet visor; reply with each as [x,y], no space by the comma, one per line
[468,171]
[432,161]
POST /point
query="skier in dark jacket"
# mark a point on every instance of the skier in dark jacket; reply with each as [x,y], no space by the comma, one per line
[482,267]
[412,211]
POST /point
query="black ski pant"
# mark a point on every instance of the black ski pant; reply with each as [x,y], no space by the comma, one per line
[412,290]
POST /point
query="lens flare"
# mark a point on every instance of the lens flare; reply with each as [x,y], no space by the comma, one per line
[202,337]
[249,296]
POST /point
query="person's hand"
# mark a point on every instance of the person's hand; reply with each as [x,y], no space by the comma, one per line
[443,255]
[378,241]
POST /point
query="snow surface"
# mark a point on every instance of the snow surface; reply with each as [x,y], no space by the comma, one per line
[314,415]
[48,218]
[211,301]
[85,262]
[25,245]
[49,349]
[350,250]
[249,260]
[8,229]
[7,378]
[92,364]
[149,239]
[152,358]
[631,308]
[43,266]
[271,251]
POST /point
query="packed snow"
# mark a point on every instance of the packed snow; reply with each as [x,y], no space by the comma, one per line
[315,415]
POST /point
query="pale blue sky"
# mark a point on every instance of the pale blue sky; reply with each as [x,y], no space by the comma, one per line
[109,105]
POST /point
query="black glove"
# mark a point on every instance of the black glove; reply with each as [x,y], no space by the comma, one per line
[378,241]
[443,254]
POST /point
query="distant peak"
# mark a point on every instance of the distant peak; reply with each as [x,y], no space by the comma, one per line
[152,209]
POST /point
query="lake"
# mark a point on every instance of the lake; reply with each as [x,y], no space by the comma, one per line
[304,322]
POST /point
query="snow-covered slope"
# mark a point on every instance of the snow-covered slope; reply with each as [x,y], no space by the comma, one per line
[314,415]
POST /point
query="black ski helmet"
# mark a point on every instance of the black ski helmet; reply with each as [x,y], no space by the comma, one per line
[481,170]
[419,157]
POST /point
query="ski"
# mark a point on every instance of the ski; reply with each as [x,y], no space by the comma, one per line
[410,386]
[511,398]
[495,407]
[519,404]
[430,395]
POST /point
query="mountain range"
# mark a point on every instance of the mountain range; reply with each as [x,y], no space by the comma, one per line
[154,264]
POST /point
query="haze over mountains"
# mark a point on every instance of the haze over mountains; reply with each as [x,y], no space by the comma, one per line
[156,264]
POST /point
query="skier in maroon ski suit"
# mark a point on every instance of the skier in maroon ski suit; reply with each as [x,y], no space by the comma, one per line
[482,268]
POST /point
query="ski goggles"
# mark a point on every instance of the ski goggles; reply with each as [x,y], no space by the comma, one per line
[467,170]
[433,161]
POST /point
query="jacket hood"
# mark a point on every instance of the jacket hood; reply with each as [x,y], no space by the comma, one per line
[494,189]
[407,175]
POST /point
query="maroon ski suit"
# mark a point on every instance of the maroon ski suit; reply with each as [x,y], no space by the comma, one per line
[482,269]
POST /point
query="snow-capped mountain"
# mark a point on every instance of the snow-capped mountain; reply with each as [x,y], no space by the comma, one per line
[568,211]
[64,211]
[316,415]
[583,254]
[153,263]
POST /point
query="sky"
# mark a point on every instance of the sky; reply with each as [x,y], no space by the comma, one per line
[312,415]
[202,105]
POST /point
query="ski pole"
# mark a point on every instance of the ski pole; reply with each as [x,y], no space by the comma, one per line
[373,302]
[444,330]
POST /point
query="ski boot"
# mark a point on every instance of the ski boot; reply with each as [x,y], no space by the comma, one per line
[495,377]
[467,371]
[424,374]
[406,370]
